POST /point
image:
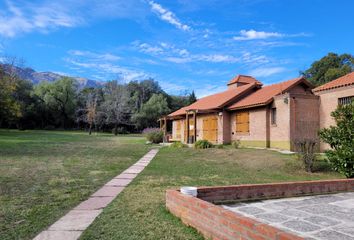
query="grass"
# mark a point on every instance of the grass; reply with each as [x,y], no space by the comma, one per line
[43,174]
[139,211]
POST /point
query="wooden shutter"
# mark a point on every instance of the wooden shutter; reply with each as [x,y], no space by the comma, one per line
[178,129]
[242,122]
[210,128]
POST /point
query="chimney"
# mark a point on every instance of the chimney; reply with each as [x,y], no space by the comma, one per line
[241,80]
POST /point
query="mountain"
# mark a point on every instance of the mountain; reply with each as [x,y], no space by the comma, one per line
[37,77]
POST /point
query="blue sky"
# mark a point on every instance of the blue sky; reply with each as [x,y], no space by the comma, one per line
[185,45]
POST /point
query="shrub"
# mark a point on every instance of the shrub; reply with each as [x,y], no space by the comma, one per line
[178,145]
[202,144]
[341,140]
[120,130]
[236,143]
[306,148]
[154,135]
[220,146]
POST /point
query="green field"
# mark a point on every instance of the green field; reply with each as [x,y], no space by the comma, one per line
[44,174]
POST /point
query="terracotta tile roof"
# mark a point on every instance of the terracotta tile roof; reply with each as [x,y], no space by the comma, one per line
[339,82]
[243,79]
[215,101]
[265,94]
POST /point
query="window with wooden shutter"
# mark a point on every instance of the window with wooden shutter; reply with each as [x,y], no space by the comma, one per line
[242,122]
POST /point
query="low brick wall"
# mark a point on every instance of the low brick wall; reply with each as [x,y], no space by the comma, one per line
[246,192]
[214,222]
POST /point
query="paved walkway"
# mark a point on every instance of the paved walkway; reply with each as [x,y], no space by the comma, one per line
[322,217]
[70,226]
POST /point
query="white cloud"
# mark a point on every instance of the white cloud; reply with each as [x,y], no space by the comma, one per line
[253,34]
[147,48]
[15,20]
[249,58]
[266,71]
[95,56]
[178,59]
[172,87]
[217,58]
[208,90]
[112,70]
[168,16]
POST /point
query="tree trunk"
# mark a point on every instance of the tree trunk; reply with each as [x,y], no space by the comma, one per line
[116,129]
[90,129]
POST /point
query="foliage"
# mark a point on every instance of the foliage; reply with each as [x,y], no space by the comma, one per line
[178,145]
[329,68]
[236,143]
[61,104]
[202,144]
[154,135]
[192,98]
[306,153]
[10,109]
[341,140]
[150,111]
[59,97]
[219,146]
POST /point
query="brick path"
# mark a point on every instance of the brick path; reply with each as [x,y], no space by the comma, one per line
[70,226]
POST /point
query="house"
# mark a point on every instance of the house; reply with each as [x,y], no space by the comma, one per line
[274,116]
[332,94]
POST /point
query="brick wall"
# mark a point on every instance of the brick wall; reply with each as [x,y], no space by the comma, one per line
[214,222]
[328,103]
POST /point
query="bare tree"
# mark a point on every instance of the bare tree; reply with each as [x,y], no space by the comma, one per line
[115,105]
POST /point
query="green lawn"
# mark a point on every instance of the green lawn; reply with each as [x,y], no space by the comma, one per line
[44,174]
[139,211]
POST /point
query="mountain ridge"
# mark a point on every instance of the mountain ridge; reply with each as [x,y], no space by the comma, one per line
[35,77]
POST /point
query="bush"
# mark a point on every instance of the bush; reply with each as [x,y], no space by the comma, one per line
[306,148]
[219,146]
[341,140]
[120,130]
[236,143]
[178,145]
[154,135]
[202,144]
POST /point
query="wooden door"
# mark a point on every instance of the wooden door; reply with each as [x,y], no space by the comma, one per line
[210,129]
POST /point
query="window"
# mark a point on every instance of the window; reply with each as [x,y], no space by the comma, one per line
[345,100]
[273,117]
[242,122]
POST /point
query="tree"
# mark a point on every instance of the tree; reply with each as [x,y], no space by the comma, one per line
[115,105]
[151,111]
[88,111]
[9,108]
[60,97]
[329,68]
[341,140]
[141,92]
[192,98]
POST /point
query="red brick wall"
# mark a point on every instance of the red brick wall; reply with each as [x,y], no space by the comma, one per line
[273,190]
[214,222]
